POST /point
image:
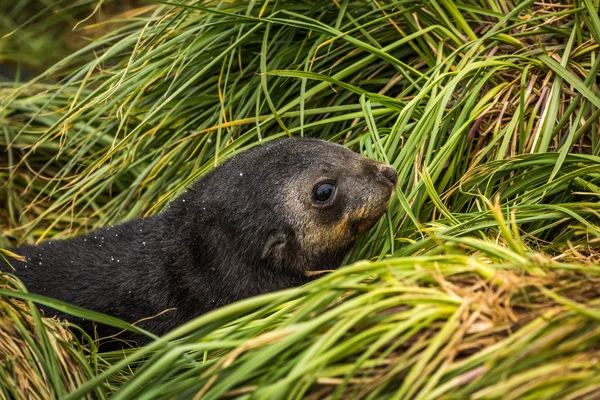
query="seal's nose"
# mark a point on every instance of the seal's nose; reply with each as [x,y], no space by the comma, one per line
[388,173]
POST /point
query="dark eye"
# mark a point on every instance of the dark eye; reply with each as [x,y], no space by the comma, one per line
[323,192]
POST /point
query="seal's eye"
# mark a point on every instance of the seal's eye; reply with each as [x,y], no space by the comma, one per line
[323,193]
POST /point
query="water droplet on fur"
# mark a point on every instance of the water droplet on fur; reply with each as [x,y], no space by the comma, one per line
[40,263]
[241,173]
[118,260]
[116,234]
[183,200]
[85,240]
[129,292]
[144,243]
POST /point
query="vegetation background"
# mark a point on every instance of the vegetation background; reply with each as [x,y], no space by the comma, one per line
[482,279]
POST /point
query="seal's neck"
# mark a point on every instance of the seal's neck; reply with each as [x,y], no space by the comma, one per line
[217,263]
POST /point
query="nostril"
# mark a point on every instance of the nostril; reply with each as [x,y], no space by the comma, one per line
[389,173]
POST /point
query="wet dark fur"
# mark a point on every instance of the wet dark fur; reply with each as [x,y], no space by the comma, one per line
[223,240]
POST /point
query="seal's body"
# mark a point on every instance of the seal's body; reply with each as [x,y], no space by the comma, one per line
[255,224]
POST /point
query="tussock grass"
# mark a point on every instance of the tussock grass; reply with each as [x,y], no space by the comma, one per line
[478,321]
[481,279]
[165,99]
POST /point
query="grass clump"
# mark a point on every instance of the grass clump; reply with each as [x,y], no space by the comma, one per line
[479,281]
[39,357]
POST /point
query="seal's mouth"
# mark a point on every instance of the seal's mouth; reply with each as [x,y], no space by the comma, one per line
[358,227]
[366,217]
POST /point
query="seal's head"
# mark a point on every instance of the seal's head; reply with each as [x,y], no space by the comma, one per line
[295,204]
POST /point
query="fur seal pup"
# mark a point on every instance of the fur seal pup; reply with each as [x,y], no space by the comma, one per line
[255,224]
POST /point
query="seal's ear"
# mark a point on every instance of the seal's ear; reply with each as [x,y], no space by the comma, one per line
[275,248]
